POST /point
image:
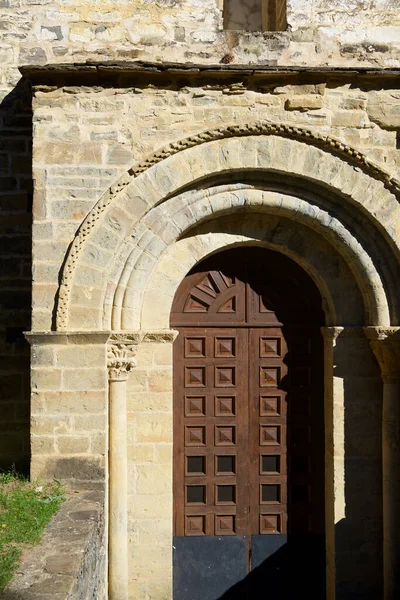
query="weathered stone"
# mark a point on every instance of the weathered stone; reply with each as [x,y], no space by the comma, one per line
[384,109]
[304,103]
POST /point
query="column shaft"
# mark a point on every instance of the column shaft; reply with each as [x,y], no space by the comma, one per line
[118,499]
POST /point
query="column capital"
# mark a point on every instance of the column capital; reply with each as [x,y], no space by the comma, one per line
[332,333]
[385,343]
[121,352]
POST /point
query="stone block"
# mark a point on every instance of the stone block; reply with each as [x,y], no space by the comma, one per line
[144,402]
[141,453]
[384,109]
[51,425]
[304,103]
[350,118]
[81,356]
[72,444]
[85,402]
[160,380]
[42,444]
[153,479]
[84,379]
[153,427]
[45,378]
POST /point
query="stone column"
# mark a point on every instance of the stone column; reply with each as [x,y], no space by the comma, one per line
[385,342]
[120,360]
[334,469]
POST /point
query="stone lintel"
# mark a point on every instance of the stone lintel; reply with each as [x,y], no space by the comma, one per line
[136,73]
[385,343]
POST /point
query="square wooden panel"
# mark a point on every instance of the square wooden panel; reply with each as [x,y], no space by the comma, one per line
[270,493]
[270,524]
[195,406]
[225,347]
[195,376]
[270,347]
[225,435]
[270,406]
[270,463]
[195,525]
[195,465]
[196,494]
[224,524]
[225,465]
[225,406]
[195,436]
[225,377]
[270,435]
[269,376]
[195,347]
[225,494]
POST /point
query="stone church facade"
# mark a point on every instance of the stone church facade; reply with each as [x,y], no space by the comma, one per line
[166,133]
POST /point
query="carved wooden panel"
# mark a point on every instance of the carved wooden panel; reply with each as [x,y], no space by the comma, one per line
[268,430]
[210,424]
[248,399]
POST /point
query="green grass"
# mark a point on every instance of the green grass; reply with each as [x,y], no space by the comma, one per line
[25,510]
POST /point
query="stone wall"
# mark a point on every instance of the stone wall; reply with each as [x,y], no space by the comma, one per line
[342,33]
[69,408]
[84,139]
[334,217]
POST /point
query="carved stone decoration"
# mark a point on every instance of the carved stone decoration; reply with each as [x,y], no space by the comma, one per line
[327,143]
[121,353]
[385,343]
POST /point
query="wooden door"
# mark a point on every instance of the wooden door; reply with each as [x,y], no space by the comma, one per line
[248,422]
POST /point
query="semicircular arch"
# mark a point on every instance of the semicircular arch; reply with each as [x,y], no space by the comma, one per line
[126,204]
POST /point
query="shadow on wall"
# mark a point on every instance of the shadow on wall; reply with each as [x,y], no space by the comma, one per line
[358,536]
[15,275]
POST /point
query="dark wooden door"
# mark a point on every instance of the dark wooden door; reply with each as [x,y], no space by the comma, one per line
[248,428]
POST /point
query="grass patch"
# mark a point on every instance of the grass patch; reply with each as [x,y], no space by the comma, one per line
[25,510]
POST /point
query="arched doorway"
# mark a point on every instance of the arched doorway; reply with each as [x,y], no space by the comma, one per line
[249,511]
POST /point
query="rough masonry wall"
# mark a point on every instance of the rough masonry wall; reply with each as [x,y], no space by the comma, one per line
[84,139]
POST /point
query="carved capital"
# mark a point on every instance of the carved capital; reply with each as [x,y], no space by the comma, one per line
[331,334]
[385,343]
[121,353]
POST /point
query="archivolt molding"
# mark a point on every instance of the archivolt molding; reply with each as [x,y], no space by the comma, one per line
[324,142]
[191,209]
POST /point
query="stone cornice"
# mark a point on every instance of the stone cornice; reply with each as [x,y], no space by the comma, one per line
[67,337]
[125,74]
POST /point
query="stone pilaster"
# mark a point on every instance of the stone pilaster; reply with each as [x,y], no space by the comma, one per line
[385,343]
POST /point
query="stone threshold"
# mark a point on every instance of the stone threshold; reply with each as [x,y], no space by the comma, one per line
[70,561]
